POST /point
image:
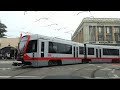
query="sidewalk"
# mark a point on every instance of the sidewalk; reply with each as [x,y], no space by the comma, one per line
[7,60]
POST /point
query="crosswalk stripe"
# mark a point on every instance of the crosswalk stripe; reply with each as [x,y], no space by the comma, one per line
[5,68]
[22,77]
[4,62]
[5,76]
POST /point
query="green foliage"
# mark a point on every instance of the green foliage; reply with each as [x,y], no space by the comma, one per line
[2,30]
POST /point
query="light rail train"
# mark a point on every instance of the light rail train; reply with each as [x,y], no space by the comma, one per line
[37,50]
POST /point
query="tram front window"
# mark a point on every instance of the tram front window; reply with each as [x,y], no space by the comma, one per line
[21,47]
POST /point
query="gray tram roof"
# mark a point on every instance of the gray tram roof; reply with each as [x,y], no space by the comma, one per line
[55,39]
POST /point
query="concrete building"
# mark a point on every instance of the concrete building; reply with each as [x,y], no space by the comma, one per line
[98,31]
[9,41]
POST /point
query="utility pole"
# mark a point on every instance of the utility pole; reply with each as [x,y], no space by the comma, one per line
[14,54]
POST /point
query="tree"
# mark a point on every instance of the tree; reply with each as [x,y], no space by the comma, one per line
[2,30]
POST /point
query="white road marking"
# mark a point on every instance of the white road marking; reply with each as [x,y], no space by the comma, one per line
[5,62]
[5,76]
[106,69]
[5,68]
[25,76]
[73,68]
[40,77]
[98,66]
[116,76]
[99,77]
[89,69]
[91,64]
[113,71]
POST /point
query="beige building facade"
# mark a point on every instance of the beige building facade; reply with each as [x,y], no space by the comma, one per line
[98,31]
[9,41]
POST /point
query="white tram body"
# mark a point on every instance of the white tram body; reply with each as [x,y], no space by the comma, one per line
[103,53]
[38,50]
[43,50]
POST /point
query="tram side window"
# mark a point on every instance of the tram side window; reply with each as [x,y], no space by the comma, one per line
[64,48]
[52,47]
[110,51]
[90,51]
[60,48]
[81,50]
[32,46]
[68,49]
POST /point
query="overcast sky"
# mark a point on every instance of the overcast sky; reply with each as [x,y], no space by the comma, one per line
[60,24]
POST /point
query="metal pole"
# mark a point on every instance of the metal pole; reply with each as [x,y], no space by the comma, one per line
[14,54]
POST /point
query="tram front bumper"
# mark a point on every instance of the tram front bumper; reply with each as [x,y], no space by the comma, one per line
[17,63]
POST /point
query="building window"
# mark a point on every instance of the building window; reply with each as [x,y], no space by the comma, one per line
[108,33]
[100,29]
[100,33]
[108,38]
[92,33]
[117,34]
[117,29]
[100,37]
[108,30]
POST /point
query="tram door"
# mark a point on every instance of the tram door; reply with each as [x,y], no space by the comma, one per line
[74,51]
[98,55]
[42,46]
[32,49]
[42,52]
[42,49]
[75,54]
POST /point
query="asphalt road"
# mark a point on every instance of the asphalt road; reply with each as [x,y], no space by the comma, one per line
[77,71]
